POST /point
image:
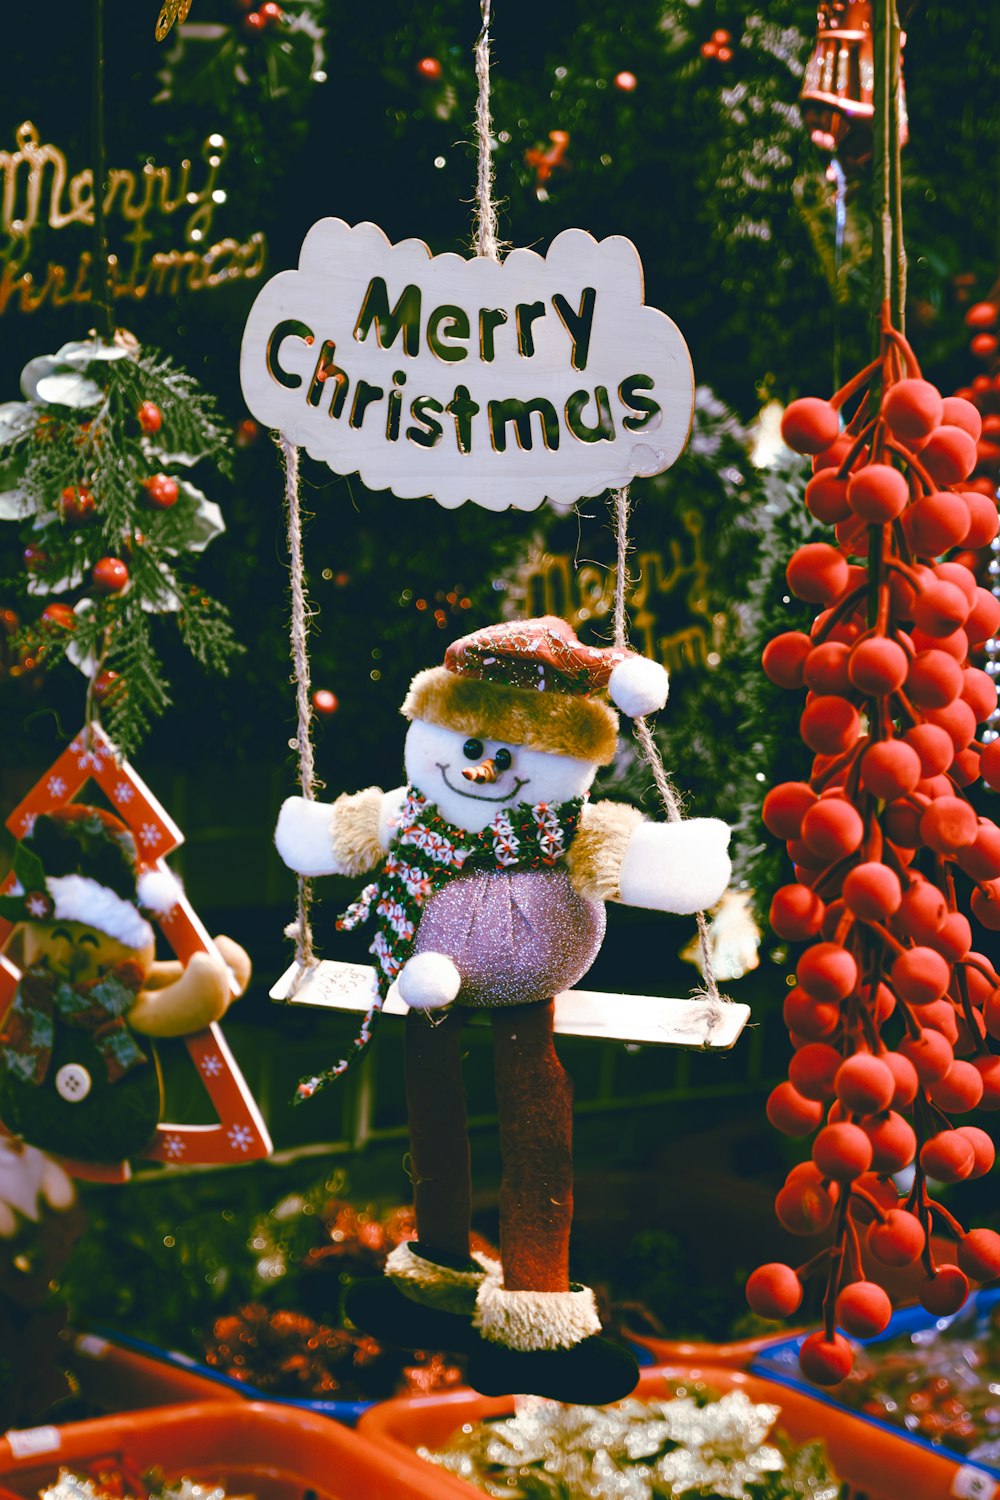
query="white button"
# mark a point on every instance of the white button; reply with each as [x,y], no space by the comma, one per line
[72,1082]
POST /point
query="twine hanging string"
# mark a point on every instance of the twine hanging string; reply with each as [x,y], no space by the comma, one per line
[651,754]
[485,226]
[299,629]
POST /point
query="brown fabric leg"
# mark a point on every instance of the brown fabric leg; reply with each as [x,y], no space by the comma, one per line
[439,1139]
[535,1102]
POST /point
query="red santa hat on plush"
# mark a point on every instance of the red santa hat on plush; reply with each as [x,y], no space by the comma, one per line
[532,682]
[79,864]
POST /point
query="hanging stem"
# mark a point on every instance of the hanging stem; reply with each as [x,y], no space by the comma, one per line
[888,249]
[102,270]
[487,240]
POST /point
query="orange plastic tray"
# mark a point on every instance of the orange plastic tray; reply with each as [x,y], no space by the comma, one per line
[879,1465]
[271,1452]
[739,1354]
[116,1379]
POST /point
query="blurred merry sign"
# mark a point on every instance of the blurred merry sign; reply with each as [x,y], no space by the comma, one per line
[542,377]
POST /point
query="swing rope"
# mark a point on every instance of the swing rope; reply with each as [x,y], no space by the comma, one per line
[487,245]
[650,751]
[300,929]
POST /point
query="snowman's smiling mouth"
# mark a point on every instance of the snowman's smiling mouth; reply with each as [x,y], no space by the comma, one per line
[519,782]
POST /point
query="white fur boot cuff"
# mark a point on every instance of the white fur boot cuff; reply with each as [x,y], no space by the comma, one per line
[536,1320]
[438,1286]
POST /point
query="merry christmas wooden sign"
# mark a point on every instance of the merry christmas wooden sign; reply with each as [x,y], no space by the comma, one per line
[504,383]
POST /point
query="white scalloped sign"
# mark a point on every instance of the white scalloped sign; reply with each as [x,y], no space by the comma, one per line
[545,377]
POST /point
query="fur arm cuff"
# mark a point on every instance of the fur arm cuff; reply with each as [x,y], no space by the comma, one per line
[536,1320]
[354,831]
[388,818]
[595,856]
[434,1285]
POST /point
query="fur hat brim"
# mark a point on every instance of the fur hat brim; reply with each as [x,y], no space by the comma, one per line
[562,723]
[77,898]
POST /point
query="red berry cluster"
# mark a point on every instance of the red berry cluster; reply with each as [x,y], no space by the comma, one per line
[983,318]
[892,1006]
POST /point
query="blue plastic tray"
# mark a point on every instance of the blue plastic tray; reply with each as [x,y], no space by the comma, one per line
[780,1362]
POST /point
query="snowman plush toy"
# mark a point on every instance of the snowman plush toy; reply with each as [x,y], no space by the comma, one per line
[494,870]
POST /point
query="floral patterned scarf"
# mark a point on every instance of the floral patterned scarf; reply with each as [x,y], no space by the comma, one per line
[426,853]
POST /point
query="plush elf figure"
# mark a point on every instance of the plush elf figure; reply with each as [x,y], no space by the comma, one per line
[74,1077]
[494,870]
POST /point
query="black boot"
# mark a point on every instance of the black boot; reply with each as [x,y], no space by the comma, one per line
[592,1373]
[420,1303]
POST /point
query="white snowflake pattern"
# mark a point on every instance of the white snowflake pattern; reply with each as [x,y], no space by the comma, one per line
[89,757]
[28,822]
[241,1138]
[211,1065]
[149,835]
[124,792]
[38,905]
[56,786]
[174,1146]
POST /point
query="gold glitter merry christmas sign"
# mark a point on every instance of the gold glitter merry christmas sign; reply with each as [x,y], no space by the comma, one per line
[41,196]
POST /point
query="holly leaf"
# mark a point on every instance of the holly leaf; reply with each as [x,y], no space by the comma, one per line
[80,355]
[17,419]
[28,868]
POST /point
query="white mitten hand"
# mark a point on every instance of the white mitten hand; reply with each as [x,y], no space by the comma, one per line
[302,836]
[428,981]
[678,867]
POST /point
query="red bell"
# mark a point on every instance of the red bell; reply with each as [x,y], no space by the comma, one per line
[837,97]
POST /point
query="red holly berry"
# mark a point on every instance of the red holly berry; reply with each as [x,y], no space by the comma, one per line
[979,1254]
[894,1143]
[59,614]
[796,913]
[878,667]
[110,575]
[774,1291]
[934,679]
[804,1207]
[785,806]
[784,656]
[920,976]
[826,1361]
[272,12]
[983,519]
[254,23]
[817,572]
[947,1156]
[325,702]
[873,891]
[107,684]
[863,1309]
[949,455]
[930,1054]
[78,504]
[829,725]
[948,824]
[162,491]
[864,1084]
[150,417]
[626,82]
[792,1113]
[810,1019]
[828,971]
[982,859]
[877,493]
[904,1076]
[933,746]
[832,828]
[429,68]
[810,425]
[983,619]
[899,1241]
[979,691]
[944,1291]
[826,497]
[982,315]
[913,408]
[982,1144]
[842,1151]
[939,609]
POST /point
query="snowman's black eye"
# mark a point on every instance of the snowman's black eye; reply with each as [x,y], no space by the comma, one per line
[473,749]
[502,760]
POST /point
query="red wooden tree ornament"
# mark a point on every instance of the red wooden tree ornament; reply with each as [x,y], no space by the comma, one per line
[240,1134]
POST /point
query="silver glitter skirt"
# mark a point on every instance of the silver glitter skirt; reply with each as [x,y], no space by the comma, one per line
[515,936]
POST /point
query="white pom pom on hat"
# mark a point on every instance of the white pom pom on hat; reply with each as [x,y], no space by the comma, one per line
[639,686]
[159,891]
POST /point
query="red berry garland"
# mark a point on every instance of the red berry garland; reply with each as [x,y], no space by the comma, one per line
[893,1008]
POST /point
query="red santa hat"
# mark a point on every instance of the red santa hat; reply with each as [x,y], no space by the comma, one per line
[532,682]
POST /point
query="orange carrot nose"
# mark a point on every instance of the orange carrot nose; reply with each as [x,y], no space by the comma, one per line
[485,772]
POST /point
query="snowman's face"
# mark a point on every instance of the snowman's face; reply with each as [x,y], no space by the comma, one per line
[436,758]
